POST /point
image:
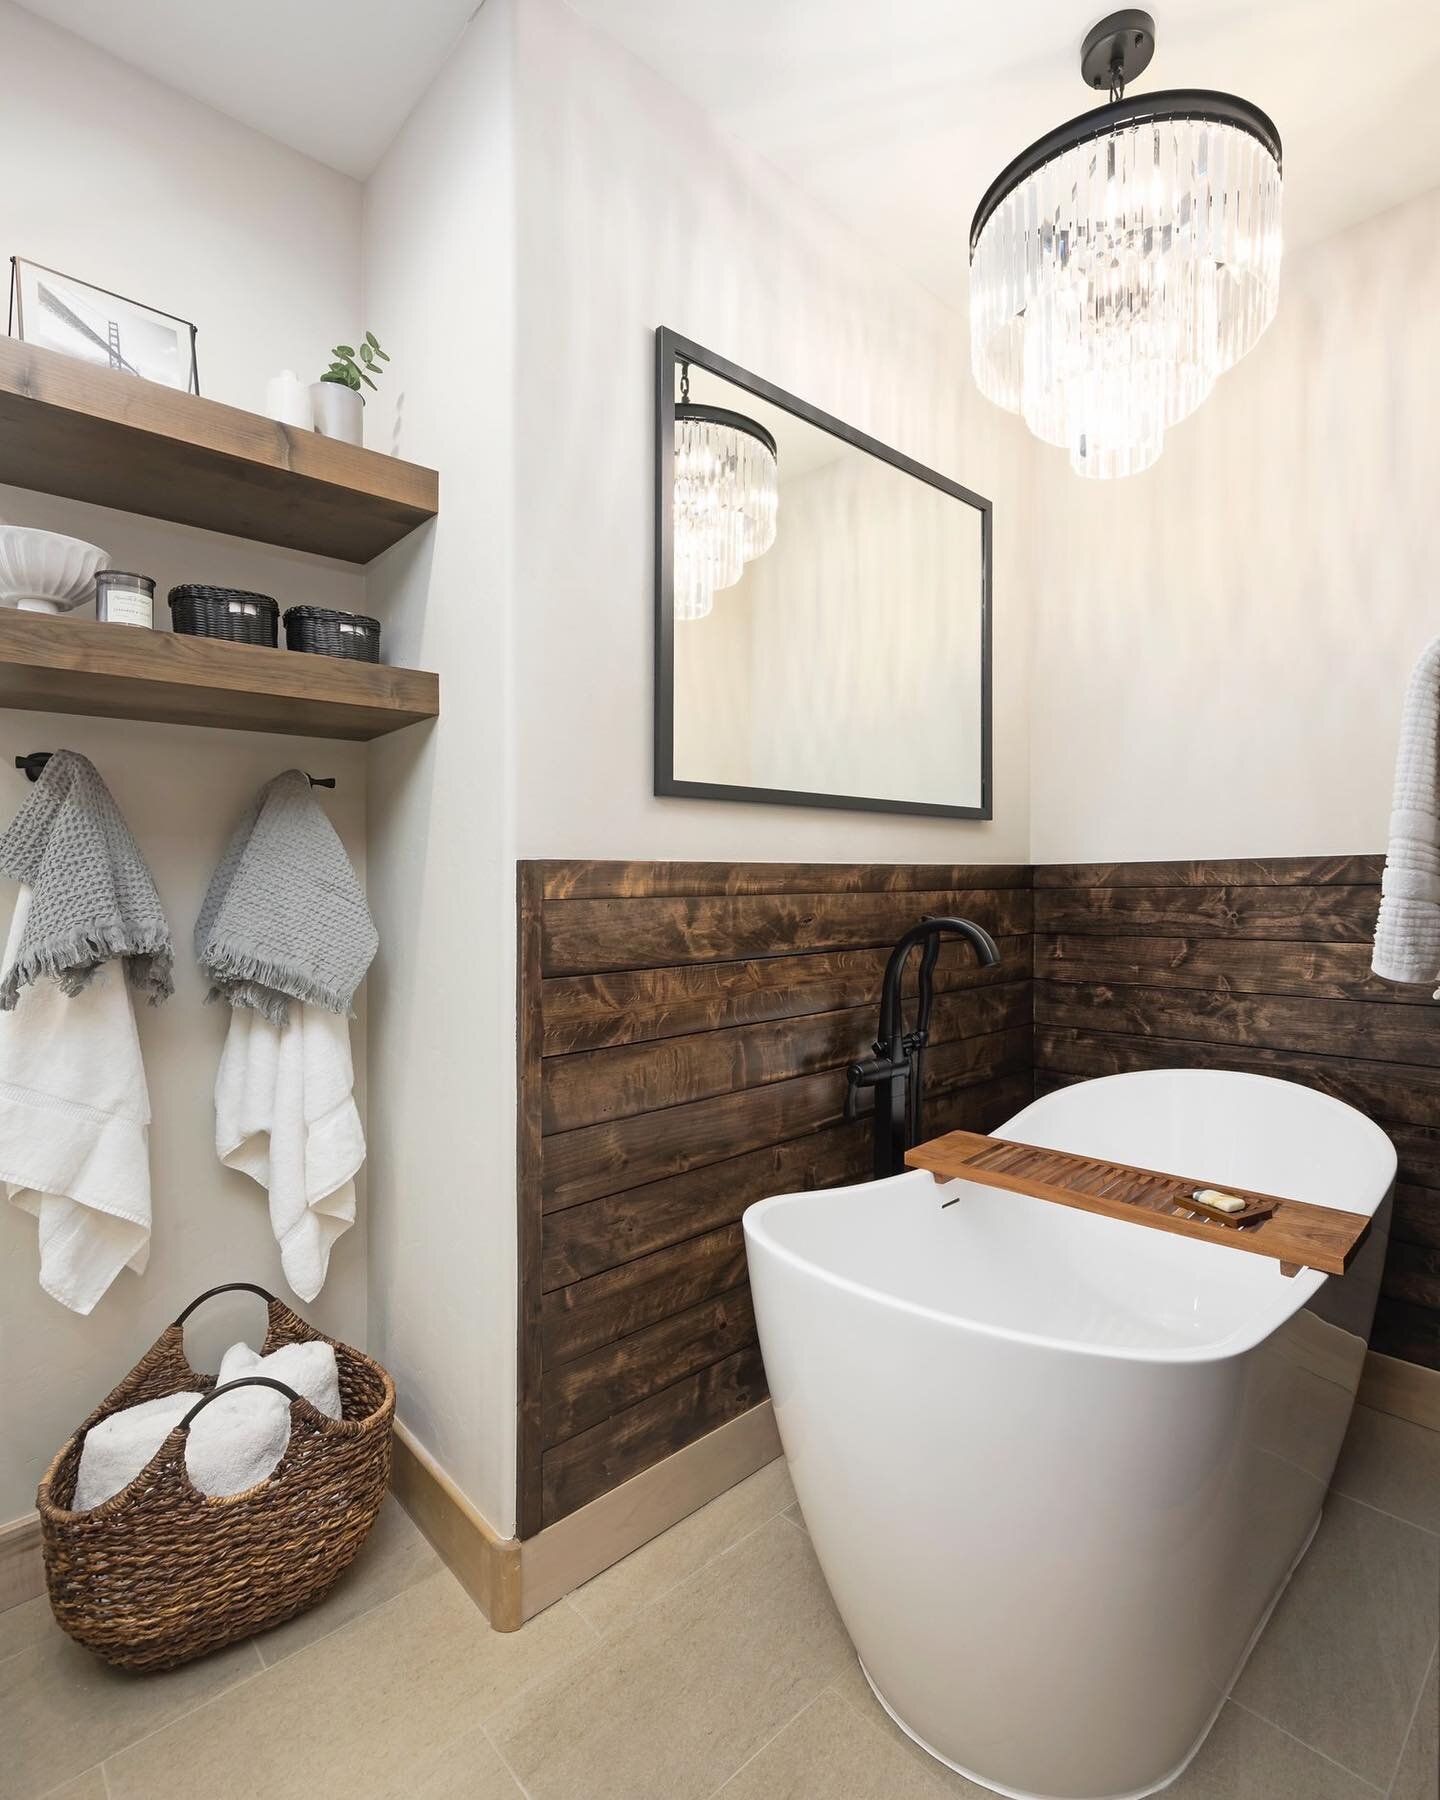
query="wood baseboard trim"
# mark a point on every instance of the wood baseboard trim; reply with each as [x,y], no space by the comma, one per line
[565,1555]
[1408,1390]
[511,1580]
[22,1569]
[486,1565]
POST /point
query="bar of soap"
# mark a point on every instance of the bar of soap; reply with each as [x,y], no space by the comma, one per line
[1226,1203]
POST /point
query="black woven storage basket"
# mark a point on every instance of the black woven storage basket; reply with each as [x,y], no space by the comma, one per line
[234,614]
[321,632]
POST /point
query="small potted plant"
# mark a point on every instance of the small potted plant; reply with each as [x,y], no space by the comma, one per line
[336,397]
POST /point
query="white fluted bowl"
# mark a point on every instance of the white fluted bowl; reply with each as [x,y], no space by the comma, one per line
[45,571]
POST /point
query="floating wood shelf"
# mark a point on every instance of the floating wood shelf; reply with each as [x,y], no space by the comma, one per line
[68,427]
[121,672]
[1296,1234]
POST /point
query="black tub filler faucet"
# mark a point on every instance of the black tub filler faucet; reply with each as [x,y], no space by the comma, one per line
[897,1069]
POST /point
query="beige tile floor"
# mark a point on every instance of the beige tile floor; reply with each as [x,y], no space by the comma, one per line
[710,1663]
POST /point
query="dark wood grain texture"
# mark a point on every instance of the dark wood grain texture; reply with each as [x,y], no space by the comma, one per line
[1278,912]
[629,1006]
[685,1028]
[587,1465]
[530,1435]
[116,672]
[68,427]
[590,1086]
[641,880]
[1369,1028]
[1259,965]
[625,1153]
[1213,872]
[1221,966]
[587,936]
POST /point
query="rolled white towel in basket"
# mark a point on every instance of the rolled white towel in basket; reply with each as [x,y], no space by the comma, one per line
[239,1438]
[118,1448]
[233,1444]
[311,1369]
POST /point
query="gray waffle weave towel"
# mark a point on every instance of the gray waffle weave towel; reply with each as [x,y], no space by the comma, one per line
[285,918]
[92,896]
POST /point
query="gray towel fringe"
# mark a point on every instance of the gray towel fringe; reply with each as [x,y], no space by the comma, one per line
[73,962]
[252,982]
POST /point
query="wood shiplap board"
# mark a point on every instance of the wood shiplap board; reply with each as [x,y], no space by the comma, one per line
[1261,965]
[684,1032]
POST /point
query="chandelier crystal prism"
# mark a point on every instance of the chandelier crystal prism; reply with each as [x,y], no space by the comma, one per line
[727,499]
[1125,261]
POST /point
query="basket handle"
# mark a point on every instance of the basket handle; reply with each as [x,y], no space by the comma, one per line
[229,1388]
[226,1287]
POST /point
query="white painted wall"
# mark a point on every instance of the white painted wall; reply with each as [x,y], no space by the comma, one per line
[633,212]
[134,187]
[439,289]
[118,180]
[1222,643]
[548,204]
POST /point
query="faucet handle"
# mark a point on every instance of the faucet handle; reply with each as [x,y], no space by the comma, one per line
[868,1072]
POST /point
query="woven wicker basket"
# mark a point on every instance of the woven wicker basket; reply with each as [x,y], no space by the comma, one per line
[234,615]
[161,1573]
[324,632]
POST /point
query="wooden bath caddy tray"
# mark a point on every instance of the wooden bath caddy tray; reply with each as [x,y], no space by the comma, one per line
[1296,1234]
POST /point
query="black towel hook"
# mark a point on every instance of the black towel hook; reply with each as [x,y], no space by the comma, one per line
[35,760]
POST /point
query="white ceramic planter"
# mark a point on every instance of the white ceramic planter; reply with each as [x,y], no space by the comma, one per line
[339,411]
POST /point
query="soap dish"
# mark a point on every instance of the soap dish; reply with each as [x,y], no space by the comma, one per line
[1251,1213]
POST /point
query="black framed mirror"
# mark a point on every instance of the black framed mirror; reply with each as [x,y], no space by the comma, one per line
[822,606]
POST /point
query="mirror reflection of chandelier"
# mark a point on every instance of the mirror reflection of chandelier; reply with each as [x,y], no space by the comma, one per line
[1125,260]
[727,495]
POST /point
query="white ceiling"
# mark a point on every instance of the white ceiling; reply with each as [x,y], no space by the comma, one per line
[332,78]
[897,114]
[894,114]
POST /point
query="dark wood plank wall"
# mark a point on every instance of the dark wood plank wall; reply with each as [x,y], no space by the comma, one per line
[1259,964]
[684,1030]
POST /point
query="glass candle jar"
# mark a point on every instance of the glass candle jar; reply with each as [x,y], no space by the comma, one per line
[124,599]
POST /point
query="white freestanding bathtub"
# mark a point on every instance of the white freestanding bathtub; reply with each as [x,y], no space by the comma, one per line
[1057,1468]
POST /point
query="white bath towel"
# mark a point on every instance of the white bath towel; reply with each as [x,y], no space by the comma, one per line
[233,1443]
[285,1115]
[239,1438]
[74,1127]
[1407,932]
[118,1448]
[310,1369]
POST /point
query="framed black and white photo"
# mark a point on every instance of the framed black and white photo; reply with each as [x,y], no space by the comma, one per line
[59,312]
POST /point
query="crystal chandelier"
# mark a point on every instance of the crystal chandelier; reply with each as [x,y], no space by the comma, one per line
[1127,259]
[727,495]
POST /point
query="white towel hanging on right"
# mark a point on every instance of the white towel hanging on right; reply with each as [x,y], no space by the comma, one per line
[1407,932]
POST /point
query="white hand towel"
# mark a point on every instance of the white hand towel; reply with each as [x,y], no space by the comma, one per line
[118,1448]
[310,1369]
[1407,932]
[285,1115]
[74,1127]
